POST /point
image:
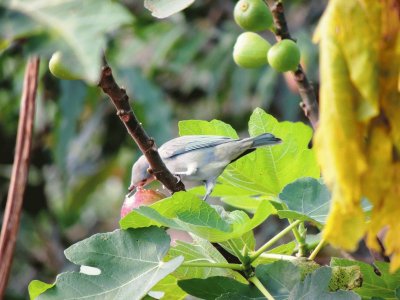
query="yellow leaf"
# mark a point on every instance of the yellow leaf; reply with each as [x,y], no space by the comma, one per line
[358,138]
[344,226]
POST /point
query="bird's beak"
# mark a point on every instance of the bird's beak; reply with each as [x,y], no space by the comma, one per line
[139,185]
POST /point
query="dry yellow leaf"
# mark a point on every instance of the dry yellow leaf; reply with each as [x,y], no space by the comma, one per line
[358,138]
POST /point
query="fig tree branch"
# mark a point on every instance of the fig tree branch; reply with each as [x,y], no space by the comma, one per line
[19,175]
[309,102]
[146,144]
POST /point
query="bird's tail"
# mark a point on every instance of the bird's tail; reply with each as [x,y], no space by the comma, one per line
[264,139]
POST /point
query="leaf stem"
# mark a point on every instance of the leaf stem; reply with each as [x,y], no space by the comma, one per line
[317,249]
[237,267]
[261,287]
[272,241]
[299,238]
[278,256]
[238,253]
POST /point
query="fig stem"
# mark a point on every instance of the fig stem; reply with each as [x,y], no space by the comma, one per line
[145,143]
[308,97]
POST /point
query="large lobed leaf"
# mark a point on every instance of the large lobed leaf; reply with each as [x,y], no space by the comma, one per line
[185,211]
[265,172]
[78,28]
[128,264]
[306,198]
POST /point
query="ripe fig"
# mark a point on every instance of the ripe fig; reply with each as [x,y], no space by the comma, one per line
[284,56]
[141,197]
[250,50]
[252,15]
[60,68]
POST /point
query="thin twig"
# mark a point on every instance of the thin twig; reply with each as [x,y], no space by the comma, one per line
[20,170]
[146,144]
[309,102]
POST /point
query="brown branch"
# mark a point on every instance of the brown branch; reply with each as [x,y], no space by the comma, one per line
[146,144]
[309,102]
[20,170]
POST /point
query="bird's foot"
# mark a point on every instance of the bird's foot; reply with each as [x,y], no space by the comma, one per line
[178,177]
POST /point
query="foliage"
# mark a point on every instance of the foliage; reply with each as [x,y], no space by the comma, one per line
[81,157]
[358,136]
[129,263]
[198,264]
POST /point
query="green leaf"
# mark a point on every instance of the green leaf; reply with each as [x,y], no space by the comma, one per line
[213,287]
[128,261]
[279,278]
[170,289]
[198,251]
[245,202]
[308,197]
[184,211]
[315,286]
[37,287]
[165,8]
[76,28]
[373,285]
[235,296]
[279,165]
[200,127]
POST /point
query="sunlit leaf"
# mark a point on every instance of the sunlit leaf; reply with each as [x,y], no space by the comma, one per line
[170,289]
[37,287]
[198,251]
[186,212]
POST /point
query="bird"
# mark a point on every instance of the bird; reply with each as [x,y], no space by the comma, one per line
[199,158]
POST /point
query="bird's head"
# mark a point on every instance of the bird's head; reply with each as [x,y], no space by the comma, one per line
[140,175]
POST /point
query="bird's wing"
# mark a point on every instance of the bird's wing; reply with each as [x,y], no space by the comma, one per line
[188,143]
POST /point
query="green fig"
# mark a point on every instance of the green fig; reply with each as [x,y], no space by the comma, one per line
[250,50]
[284,56]
[60,68]
[253,15]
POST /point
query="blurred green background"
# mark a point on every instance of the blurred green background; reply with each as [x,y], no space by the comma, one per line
[173,69]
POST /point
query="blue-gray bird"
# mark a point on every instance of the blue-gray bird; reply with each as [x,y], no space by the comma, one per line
[199,158]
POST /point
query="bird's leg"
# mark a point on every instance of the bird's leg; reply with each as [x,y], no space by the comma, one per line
[209,188]
[178,177]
